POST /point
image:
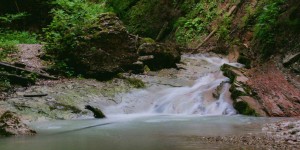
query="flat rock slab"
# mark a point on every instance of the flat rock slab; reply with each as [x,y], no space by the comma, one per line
[277,95]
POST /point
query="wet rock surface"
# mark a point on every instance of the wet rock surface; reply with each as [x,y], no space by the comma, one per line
[11,124]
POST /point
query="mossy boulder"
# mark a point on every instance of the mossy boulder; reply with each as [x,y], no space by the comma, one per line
[106,48]
[101,48]
[11,124]
[245,100]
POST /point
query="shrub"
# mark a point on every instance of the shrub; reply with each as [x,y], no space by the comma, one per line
[265,28]
[71,20]
[9,18]
[196,22]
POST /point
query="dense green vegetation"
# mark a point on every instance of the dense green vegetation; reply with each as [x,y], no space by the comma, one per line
[68,29]
[147,18]
[196,22]
[8,43]
[65,25]
[265,28]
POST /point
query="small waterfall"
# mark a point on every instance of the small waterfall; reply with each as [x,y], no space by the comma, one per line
[209,95]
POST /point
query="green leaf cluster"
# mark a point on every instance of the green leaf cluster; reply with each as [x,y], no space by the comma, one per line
[196,22]
[9,18]
[67,31]
[69,20]
[265,27]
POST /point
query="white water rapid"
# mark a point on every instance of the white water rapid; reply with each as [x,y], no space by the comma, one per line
[208,95]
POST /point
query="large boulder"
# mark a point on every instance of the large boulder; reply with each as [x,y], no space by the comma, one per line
[107,48]
[11,124]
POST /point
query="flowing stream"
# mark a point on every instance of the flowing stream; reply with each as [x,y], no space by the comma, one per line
[208,95]
[156,118]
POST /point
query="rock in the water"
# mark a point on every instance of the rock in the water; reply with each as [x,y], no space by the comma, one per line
[162,55]
[11,124]
[97,112]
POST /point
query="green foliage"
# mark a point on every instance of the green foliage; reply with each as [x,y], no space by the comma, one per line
[9,40]
[9,18]
[249,15]
[69,19]
[186,6]
[60,67]
[141,20]
[145,17]
[67,30]
[265,28]
[120,7]
[224,28]
[197,21]
[244,109]
[4,84]
[18,37]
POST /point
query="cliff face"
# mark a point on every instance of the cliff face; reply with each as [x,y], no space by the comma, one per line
[273,74]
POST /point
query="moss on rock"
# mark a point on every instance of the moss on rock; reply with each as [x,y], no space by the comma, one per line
[239,90]
[244,108]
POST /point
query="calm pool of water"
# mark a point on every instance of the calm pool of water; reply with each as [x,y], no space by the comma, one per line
[128,132]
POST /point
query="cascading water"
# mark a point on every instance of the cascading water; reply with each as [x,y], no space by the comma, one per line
[199,89]
[209,94]
[198,99]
